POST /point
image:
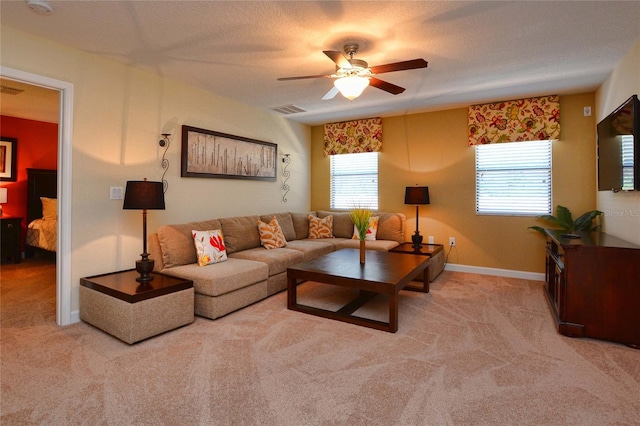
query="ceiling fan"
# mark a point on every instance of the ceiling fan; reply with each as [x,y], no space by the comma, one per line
[352,76]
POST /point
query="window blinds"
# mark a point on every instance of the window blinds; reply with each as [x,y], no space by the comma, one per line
[514,178]
[354,181]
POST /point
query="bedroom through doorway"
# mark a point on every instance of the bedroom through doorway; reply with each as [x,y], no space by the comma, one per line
[44,101]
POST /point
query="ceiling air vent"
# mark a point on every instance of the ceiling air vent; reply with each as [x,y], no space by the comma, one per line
[288,109]
[7,90]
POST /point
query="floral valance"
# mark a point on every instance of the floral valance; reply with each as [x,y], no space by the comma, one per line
[515,121]
[350,137]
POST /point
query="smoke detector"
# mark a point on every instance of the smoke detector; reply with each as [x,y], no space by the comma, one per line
[41,7]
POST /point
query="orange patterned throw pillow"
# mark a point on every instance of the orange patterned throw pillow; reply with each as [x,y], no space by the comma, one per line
[321,228]
[209,247]
[372,230]
[271,235]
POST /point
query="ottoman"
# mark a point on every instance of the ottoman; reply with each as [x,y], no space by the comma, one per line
[119,305]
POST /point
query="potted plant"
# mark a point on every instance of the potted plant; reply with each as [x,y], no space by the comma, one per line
[360,218]
[565,222]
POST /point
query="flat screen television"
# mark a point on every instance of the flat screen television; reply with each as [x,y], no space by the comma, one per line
[619,148]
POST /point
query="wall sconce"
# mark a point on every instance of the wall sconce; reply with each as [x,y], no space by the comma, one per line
[164,143]
[286,159]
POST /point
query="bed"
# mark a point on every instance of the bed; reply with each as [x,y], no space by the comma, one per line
[42,217]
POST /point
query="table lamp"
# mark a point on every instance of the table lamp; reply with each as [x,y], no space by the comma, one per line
[144,195]
[416,195]
[3,198]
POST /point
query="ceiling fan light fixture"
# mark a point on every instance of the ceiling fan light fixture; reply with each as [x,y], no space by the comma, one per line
[352,86]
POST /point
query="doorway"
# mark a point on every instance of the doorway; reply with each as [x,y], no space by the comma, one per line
[63,258]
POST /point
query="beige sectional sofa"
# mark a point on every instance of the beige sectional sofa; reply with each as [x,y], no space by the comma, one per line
[251,272]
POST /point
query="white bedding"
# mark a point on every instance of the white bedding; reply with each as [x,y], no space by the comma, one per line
[43,234]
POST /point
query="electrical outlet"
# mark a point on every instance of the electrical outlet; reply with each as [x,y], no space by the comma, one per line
[430,239]
[452,241]
[115,193]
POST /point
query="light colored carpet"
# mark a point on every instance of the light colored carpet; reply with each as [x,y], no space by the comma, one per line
[476,350]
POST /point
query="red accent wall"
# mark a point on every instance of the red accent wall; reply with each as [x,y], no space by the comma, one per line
[37,149]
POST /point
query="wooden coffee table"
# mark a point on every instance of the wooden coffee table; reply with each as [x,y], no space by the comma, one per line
[383,273]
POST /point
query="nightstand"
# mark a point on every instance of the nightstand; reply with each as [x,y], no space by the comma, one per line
[121,306]
[10,240]
[434,251]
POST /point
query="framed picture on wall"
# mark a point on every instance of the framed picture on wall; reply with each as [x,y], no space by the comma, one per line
[210,154]
[8,159]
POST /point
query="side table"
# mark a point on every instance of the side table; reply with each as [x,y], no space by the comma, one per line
[121,306]
[434,251]
[10,241]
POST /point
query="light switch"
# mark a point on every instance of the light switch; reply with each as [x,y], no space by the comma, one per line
[587,111]
[115,193]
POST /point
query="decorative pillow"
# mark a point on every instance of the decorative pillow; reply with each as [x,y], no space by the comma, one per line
[371,231]
[321,228]
[49,208]
[209,247]
[271,235]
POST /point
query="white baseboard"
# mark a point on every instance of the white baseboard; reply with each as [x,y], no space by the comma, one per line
[534,276]
[75,317]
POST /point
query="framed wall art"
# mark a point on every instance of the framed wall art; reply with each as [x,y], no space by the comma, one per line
[8,159]
[210,154]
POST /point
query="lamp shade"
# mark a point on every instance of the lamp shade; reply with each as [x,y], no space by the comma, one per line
[143,195]
[416,195]
[351,87]
[3,195]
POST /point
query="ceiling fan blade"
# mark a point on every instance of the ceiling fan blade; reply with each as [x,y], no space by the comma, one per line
[337,57]
[331,94]
[305,76]
[399,66]
[386,86]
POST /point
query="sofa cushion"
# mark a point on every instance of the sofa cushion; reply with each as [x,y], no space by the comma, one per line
[320,228]
[333,241]
[300,225]
[342,223]
[311,248]
[209,247]
[391,226]
[286,224]
[382,245]
[221,278]
[278,259]
[240,233]
[271,235]
[176,242]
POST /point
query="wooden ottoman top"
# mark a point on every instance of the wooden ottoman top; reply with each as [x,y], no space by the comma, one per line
[123,285]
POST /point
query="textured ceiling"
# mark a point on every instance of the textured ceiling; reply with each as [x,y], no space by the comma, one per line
[477,51]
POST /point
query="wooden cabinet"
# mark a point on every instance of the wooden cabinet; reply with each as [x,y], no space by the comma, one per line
[10,241]
[593,286]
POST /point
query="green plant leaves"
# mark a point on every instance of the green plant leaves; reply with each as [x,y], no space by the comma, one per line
[583,223]
[565,222]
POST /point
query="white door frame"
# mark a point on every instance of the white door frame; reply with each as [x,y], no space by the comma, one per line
[65,127]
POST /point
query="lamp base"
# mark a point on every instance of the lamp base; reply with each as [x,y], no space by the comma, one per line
[144,267]
[417,241]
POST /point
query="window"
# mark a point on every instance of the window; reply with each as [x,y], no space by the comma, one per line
[513,178]
[627,162]
[354,181]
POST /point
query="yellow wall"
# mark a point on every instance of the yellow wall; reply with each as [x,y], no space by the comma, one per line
[118,116]
[622,209]
[432,149]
